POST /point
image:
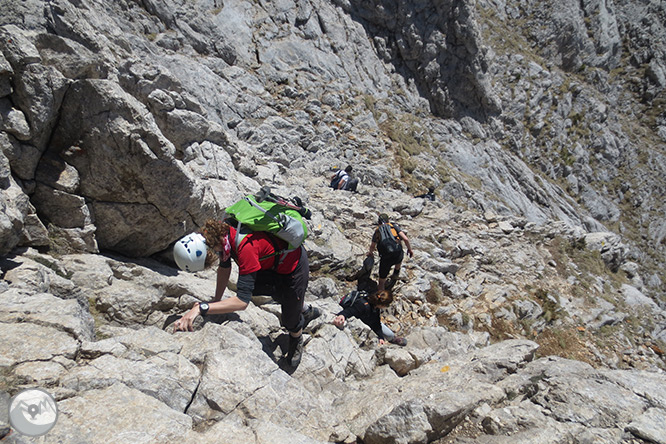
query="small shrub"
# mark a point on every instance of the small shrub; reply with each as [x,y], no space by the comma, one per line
[564,342]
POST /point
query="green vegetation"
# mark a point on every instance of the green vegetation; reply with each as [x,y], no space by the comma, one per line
[565,156]
[99,319]
[589,266]
[567,342]
[405,142]
[434,295]
[550,305]
[443,171]
[402,133]
[370,104]
[579,130]
[504,40]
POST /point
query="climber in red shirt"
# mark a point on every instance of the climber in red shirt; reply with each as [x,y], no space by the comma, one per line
[262,269]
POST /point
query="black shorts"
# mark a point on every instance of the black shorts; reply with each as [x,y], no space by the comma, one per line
[385,263]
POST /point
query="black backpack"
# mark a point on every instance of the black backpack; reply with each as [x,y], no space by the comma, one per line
[337,178]
[351,297]
[387,246]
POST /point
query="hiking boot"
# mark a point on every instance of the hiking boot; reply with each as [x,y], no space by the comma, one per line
[295,350]
[399,341]
[310,314]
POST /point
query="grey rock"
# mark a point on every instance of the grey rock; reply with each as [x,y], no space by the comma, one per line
[24,342]
[13,121]
[225,385]
[63,209]
[609,245]
[167,377]
[124,125]
[57,174]
[117,411]
[400,360]
[17,47]
[117,206]
[527,309]
[634,298]
[5,76]
[47,310]
[646,426]
[39,91]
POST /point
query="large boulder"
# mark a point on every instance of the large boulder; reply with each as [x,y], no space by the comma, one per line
[124,164]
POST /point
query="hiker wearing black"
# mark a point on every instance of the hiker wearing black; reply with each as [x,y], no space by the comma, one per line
[342,180]
[387,239]
[430,195]
[367,308]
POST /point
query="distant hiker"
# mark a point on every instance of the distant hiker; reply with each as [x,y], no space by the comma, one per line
[430,195]
[342,180]
[367,308]
[260,271]
[387,239]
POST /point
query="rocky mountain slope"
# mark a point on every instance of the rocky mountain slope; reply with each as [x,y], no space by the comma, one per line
[534,304]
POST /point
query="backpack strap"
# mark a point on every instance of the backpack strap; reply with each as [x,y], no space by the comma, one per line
[357,294]
[391,229]
[281,253]
[240,236]
[259,207]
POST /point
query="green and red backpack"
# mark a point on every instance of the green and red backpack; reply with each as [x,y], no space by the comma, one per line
[271,214]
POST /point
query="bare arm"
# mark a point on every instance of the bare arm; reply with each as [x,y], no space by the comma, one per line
[405,239]
[222,282]
[228,305]
[371,250]
[218,306]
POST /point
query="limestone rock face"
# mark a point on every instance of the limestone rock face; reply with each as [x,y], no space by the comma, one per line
[439,43]
[533,307]
[97,330]
[104,144]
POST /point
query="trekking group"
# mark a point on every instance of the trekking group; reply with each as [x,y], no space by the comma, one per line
[264,235]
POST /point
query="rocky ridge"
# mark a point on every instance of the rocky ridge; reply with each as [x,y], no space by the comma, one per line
[532,308]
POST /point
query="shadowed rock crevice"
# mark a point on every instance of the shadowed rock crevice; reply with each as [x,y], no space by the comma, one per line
[438,46]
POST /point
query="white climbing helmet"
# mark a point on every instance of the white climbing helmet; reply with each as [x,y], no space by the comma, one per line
[190,252]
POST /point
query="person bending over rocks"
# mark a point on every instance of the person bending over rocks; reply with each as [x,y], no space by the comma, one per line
[260,271]
[367,308]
